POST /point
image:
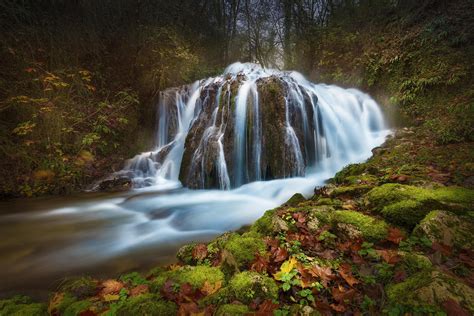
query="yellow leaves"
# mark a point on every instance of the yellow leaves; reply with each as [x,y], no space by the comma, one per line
[24,128]
[43,175]
[111,287]
[111,297]
[209,288]
[285,268]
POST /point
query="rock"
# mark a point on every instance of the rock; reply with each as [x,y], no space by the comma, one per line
[431,288]
[352,225]
[448,229]
[247,286]
[115,184]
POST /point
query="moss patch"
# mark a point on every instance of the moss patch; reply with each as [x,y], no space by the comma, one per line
[247,286]
[244,247]
[232,309]
[146,305]
[22,306]
[370,228]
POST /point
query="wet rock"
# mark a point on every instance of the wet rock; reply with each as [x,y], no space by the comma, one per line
[115,184]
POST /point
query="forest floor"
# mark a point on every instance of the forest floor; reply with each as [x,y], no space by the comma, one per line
[390,236]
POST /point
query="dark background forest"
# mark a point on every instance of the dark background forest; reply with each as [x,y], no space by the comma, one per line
[79,79]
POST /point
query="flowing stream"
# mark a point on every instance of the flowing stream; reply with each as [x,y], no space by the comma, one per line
[103,234]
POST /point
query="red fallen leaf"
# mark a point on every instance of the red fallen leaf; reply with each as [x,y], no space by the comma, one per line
[188,309]
[338,308]
[168,291]
[341,294]
[260,263]
[323,307]
[186,291]
[272,242]
[453,308]
[139,290]
[306,277]
[280,254]
[389,256]
[325,274]
[299,217]
[266,308]
[395,235]
[345,271]
[443,249]
[111,287]
[327,254]
[345,246]
[399,276]
[200,252]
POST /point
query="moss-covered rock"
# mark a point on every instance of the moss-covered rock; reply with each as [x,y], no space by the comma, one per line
[77,308]
[232,309]
[81,287]
[407,205]
[195,276]
[431,288]
[247,286]
[351,190]
[414,262]
[244,247]
[447,228]
[185,254]
[369,227]
[146,305]
[295,200]
[22,306]
[349,170]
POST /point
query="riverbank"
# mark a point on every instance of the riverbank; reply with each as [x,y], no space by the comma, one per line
[391,235]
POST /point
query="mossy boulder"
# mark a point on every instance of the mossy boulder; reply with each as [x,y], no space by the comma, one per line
[349,170]
[195,276]
[407,205]
[232,310]
[369,227]
[350,191]
[245,247]
[447,228]
[80,287]
[430,288]
[296,199]
[247,286]
[77,308]
[22,306]
[146,305]
[414,262]
[269,223]
[185,254]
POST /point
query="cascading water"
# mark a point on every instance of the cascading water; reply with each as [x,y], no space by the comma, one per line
[229,131]
[253,136]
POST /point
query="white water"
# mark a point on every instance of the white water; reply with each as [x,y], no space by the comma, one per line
[160,213]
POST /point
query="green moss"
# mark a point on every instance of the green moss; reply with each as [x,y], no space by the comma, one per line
[146,305]
[414,263]
[430,288]
[264,224]
[349,170]
[232,309]
[406,213]
[196,276]
[185,254]
[295,200]
[363,178]
[77,308]
[352,191]
[65,302]
[80,287]
[21,306]
[390,193]
[244,247]
[247,286]
[371,228]
[457,195]
[328,201]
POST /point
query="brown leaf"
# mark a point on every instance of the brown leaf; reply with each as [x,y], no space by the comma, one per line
[208,288]
[200,252]
[442,248]
[395,235]
[399,276]
[338,308]
[266,308]
[345,271]
[341,294]
[260,263]
[188,309]
[324,273]
[453,308]
[299,217]
[280,254]
[139,290]
[389,256]
[111,287]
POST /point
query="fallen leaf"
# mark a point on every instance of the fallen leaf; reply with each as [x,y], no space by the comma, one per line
[189,309]
[453,308]
[285,268]
[200,252]
[111,287]
[323,273]
[389,256]
[442,248]
[345,271]
[208,288]
[266,308]
[338,308]
[395,235]
[280,254]
[341,294]
[139,290]
[260,263]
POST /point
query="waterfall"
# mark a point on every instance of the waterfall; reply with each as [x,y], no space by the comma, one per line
[252,124]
